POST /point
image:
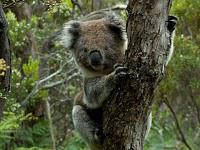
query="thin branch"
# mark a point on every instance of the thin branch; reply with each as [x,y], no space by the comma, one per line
[54,84]
[51,85]
[39,85]
[103,12]
[52,75]
[115,8]
[76,3]
[183,139]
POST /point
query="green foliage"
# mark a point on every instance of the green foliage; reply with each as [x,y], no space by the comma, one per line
[161,137]
[10,124]
[31,69]
[38,135]
[184,66]
[68,3]
[18,30]
[189,19]
[14,117]
[23,86]
[74,143]
[182,85]
[22,128]
[61,11]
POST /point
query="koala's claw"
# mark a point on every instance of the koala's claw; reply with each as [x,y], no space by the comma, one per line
[121,69]
[120,73]
[118,65]
[98,134]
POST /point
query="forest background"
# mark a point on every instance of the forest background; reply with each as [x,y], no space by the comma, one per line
[37,112]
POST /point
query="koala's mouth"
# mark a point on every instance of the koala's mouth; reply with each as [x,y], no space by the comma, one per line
[97,66]
[102,68]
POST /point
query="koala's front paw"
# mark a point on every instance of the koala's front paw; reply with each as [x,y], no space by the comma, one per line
[171,23]
[120,73]
[98,135]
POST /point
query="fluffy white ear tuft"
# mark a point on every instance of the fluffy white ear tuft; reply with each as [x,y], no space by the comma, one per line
[69,33]
[66,36]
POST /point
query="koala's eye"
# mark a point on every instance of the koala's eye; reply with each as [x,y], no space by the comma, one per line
[84,50]
[107,48]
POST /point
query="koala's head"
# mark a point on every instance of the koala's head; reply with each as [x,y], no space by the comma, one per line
[97,45]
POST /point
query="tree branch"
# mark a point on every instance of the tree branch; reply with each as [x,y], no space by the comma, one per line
[102,12]
[76,3]
[57,83]
[183,139]
[38,86]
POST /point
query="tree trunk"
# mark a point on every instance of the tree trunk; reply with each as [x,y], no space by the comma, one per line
[24,12]
[5,55]
[126,111]
[96,5]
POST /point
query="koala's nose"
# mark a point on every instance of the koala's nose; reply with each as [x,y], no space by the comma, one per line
[95,58]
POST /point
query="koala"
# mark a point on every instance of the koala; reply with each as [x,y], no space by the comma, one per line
[98,46]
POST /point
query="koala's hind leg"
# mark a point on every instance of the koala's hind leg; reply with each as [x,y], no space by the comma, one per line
[86,127]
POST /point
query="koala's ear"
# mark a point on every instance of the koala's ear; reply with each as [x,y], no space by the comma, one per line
[115,29]
[70,34]
[116,26]
[119,31]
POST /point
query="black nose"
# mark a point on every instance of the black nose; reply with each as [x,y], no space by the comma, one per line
[95,58]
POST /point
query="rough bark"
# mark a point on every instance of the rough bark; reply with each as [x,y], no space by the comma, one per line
[126,111]
[4,54]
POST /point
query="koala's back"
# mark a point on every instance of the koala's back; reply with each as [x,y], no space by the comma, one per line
[94,114]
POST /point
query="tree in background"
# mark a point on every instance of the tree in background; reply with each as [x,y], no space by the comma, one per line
[5,60]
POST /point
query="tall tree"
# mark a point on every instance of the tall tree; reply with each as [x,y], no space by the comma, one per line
[127,110]
[5,59]
[96,4]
